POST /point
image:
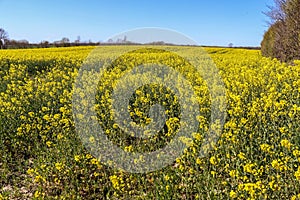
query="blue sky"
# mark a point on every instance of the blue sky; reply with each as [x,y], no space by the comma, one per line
[208,22]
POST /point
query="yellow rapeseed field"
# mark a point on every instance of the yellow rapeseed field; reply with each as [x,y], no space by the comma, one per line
[257,155]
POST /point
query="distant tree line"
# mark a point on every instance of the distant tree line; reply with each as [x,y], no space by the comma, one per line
[282,39]
[24,44]
[6,43]
[64,42]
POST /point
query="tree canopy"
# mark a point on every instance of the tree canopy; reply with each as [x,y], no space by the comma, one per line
[282,40]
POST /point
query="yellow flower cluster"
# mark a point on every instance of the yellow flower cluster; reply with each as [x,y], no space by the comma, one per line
[256,157]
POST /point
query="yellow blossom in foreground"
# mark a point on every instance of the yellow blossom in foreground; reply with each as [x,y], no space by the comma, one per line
[233,194]
[297,174]
[59,166]
[286,143]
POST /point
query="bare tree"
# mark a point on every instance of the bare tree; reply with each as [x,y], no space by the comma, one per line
[44,44]
[276,13]
[3,37]
[77,41]
[65,41]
